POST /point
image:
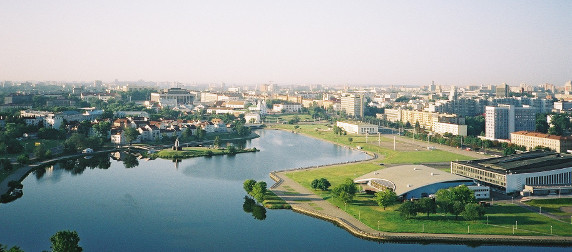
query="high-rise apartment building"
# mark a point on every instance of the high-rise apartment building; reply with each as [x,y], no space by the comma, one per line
[502,120]
[353,104]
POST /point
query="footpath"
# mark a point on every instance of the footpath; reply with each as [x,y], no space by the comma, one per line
[305,201]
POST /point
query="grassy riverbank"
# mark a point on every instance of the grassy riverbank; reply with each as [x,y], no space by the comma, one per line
[190,152]
[501,217]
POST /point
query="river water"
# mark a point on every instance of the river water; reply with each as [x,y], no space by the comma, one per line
[195,205]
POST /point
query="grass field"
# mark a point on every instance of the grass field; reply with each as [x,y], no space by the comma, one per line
[501,218]
[561,207]
[272,201]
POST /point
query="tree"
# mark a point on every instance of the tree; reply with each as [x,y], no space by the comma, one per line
[350,139]
[473,211]
[4,248]
[231,150]
[248,184]
[216,142]
[323,184]
[541,123]
[130,134]
[314,184]
[454,199]
[23,158]
[345,192]
[65,241]
[201,134]
[408,209]
[385,198]
[427,205]
[259,190]
[40,152]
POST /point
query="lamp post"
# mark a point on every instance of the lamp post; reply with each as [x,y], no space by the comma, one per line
[377,225]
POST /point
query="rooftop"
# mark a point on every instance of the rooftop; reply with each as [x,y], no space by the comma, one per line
[410,177]
[528,162]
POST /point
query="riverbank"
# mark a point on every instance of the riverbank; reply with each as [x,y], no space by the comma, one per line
[307,202]
[21,173]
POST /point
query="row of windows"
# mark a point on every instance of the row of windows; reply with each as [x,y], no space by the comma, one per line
[554,179]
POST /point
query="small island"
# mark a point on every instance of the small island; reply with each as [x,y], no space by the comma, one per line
[190,152]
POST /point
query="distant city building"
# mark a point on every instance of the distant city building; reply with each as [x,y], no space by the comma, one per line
[532,140]
[18,99]
[353,104]
[455,129]
[358,127]
[505,119]
[287,108]
[562,106]
[502,90]
[179,95]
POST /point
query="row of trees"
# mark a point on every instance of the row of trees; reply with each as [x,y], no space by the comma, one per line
[457,201]
[62,241]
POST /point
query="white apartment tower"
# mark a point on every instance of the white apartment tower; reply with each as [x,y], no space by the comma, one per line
[353,104]
[505,119]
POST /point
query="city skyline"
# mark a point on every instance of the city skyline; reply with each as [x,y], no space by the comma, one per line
[294,42]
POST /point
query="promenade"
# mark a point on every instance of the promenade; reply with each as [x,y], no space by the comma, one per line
[305,201]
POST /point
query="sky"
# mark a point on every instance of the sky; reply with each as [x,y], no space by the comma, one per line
[288,42]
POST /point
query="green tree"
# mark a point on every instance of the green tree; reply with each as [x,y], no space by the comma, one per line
[259,190]
[40,152]
[4,248]
[65,241]
[23,158]
[248,185]
[216,142]
[454,199]
[201,134]
[345,191]
[427,205]
[231,150]
[385,198]
[541,123]
[314,184]
[408,209]
[323,184]
[350,139]
[130,134]
[473,211]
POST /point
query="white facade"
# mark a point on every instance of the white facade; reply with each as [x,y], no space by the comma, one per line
[481,192]
[358,128]
[455,129]
[287,108]
[516,182]
[252,118]
[353,104]
[505,119]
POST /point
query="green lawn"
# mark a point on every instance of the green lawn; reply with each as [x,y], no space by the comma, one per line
[553,206]
[501,218]
[272,201]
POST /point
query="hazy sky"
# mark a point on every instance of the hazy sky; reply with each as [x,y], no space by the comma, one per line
[288,42]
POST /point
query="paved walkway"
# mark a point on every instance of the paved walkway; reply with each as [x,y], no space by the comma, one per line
[305,201]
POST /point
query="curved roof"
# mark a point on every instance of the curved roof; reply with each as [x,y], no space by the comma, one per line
[410,177]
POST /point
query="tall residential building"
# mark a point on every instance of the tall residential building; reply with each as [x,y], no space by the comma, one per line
[353,104]
[505,119]
[453,95]
[502,90]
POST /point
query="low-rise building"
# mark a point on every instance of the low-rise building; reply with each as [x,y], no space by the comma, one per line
[287,108]
[532,140]
[512,173]
[358,127]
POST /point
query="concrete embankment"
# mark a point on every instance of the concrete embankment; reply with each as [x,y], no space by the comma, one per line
[306,202]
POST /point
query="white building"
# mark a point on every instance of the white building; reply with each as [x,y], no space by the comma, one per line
[481,192]
[505,119]
[353,104]
[252,118]
[287,108]
[455,129]
[358,127]
[181,96]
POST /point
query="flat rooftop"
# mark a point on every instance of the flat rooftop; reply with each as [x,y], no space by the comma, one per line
[410,177]
[528,162]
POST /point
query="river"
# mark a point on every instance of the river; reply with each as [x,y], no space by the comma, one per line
[195,205]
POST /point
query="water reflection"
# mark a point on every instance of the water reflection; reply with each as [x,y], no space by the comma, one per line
[257,210]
